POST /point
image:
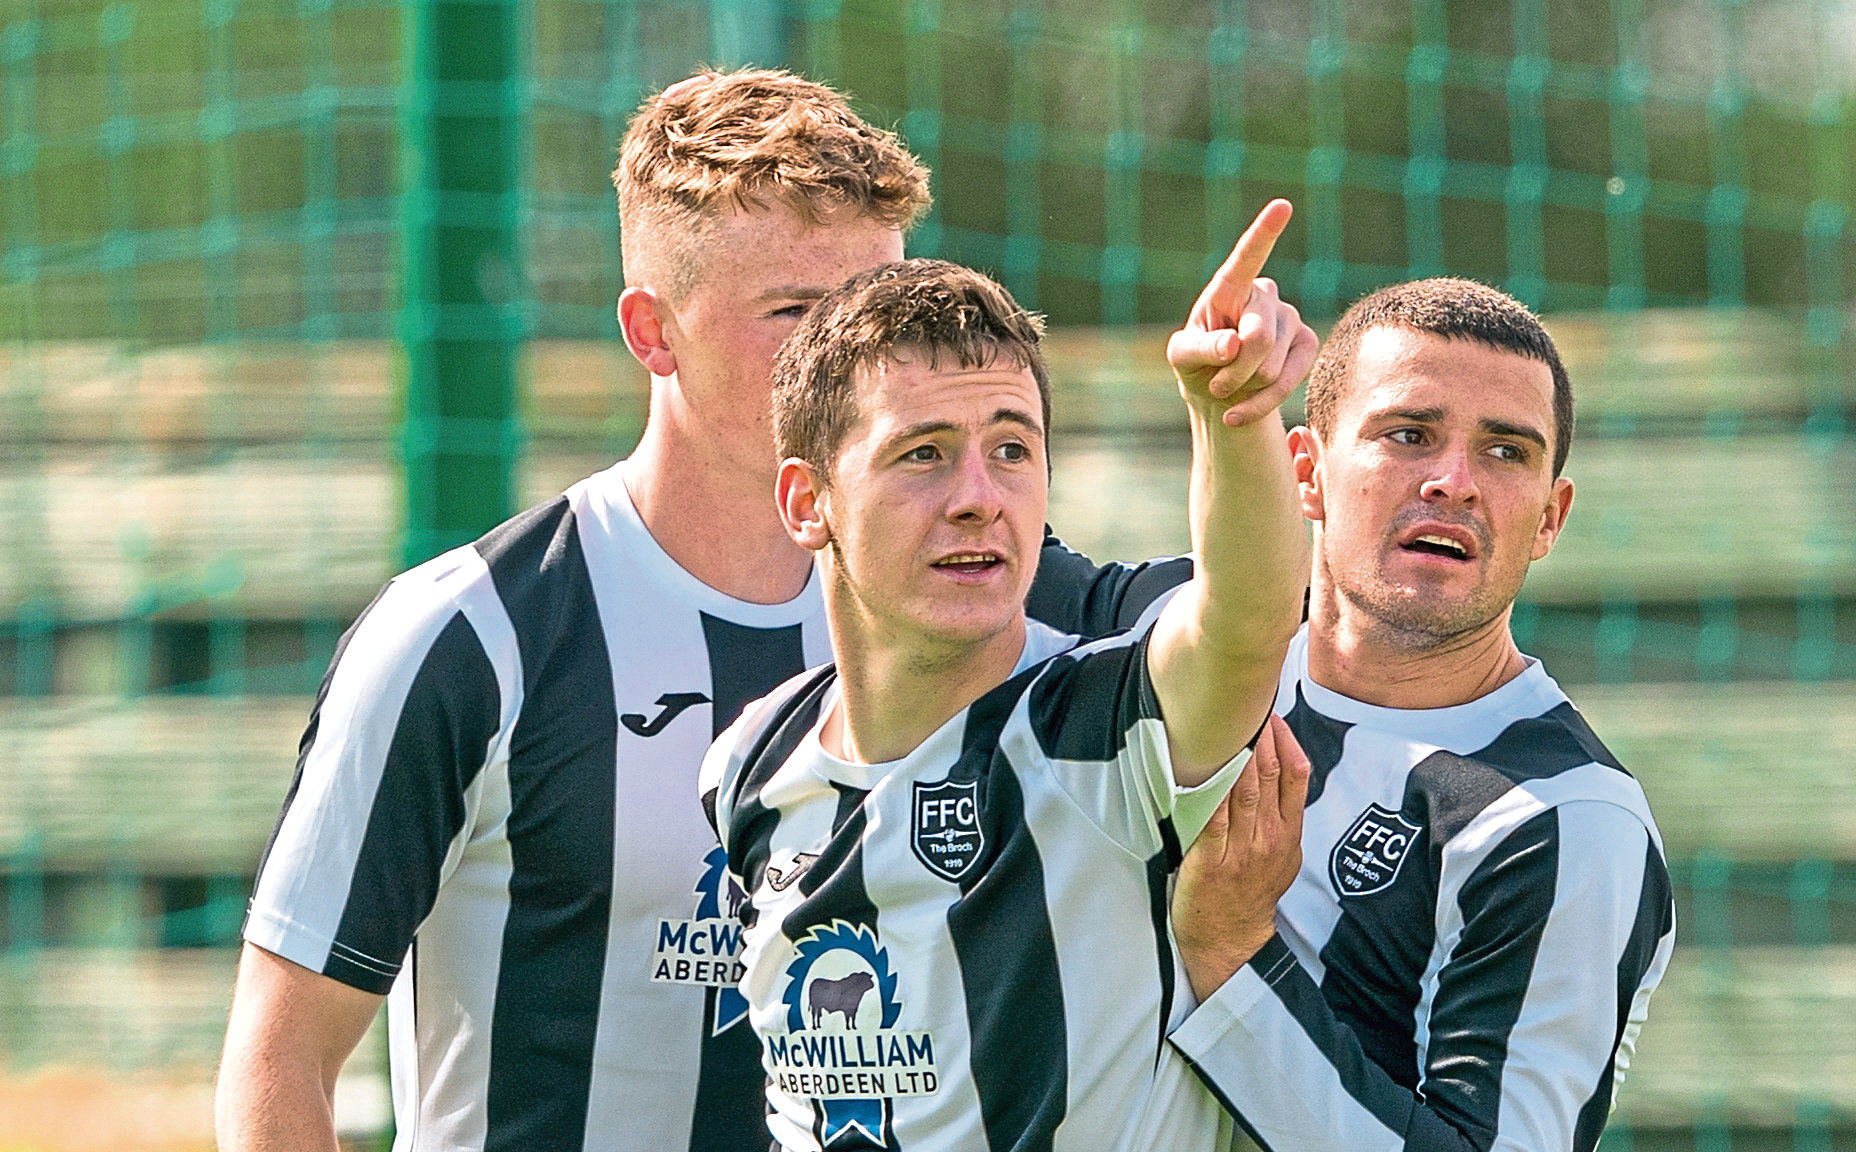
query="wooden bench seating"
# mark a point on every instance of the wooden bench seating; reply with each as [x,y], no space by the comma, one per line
[273,535]
[192,784]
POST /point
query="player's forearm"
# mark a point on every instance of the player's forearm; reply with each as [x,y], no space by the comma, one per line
[267,1104]
[1219,644]
[1247,533]
[1322,1091]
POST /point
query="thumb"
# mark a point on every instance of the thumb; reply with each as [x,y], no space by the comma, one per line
[1196,350]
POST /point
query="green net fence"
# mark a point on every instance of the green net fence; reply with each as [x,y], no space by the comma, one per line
[295,291]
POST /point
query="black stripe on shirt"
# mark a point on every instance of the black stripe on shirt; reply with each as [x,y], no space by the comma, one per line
[1655,918]
[1160,869]
[1323,738]
[731,1099]
[1504,904]
[747,663]
[452,711]
[562,779]
[1374,958]
[1072,594]
[750,824]
[1081,707]
[1546,745]
[1002,934]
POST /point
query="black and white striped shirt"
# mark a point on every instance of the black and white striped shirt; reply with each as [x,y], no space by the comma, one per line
[1468,953]
[494,817]
[494,820]
[967,948]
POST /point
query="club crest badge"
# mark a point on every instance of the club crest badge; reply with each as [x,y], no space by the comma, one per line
[1368,857]
[842,1047]
[944,826]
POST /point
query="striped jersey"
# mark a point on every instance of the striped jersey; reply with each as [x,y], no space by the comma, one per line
[968,948]
[494,817]
[1468,952]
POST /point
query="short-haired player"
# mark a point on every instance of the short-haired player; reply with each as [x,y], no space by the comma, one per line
[492,817]
[955,840]
[1482,908]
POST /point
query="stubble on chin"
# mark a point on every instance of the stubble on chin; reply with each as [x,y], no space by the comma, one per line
[1414,619]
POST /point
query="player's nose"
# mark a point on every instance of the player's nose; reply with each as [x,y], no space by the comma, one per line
[974,493]
[1450,478]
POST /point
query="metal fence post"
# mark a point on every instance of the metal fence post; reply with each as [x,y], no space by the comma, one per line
[462,308]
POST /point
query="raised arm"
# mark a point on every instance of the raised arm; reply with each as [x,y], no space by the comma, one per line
[1219,644]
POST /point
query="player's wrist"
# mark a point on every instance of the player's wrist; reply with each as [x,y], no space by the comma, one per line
[1211,962]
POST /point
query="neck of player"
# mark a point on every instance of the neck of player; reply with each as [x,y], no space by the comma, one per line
[712,511]
[896,691]
[1360,657]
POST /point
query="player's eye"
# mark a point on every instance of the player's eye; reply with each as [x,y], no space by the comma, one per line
[1512,453]
[922,454]
[1014,452]
[790,312]
[1406,436]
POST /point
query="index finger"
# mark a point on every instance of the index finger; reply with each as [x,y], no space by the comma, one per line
[1293,784]
[1229,288]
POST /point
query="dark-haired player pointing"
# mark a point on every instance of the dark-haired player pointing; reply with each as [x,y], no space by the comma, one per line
[956,840]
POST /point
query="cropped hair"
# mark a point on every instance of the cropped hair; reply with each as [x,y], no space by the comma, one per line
[928,308]
[1447,307]
[722,141]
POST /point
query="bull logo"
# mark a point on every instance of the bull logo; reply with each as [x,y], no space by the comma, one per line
[843,996]
[1367,859]
[944,827]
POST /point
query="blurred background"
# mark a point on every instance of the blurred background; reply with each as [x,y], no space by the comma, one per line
[296,292]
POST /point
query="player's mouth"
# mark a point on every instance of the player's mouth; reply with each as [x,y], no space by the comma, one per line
[970,564]
[1445,541]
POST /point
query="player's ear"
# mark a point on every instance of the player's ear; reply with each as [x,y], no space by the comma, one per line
[1553,517]
[800,493]
[643,318]
[1305,458]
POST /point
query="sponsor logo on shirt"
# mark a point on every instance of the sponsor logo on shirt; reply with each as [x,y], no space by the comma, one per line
[1367,859]
[842,1048]
[944,827]
[706,949]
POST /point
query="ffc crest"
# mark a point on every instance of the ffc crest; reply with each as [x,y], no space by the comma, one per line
[944,827]
[1368,857]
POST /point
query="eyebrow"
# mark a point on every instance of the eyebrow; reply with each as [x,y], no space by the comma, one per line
[1436,415]
[793,292]
[930,427]
[1519,431]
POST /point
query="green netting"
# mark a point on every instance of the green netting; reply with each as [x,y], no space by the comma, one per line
[293,292]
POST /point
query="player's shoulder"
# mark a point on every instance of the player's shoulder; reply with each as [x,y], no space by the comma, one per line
[1544,756]
[803,692]
[1081,698]
[759,742]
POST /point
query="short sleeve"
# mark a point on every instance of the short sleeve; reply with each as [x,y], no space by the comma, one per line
[1096,718]
[386,781]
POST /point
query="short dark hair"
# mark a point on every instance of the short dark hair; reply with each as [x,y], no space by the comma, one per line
[1448,307]
[929,307]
